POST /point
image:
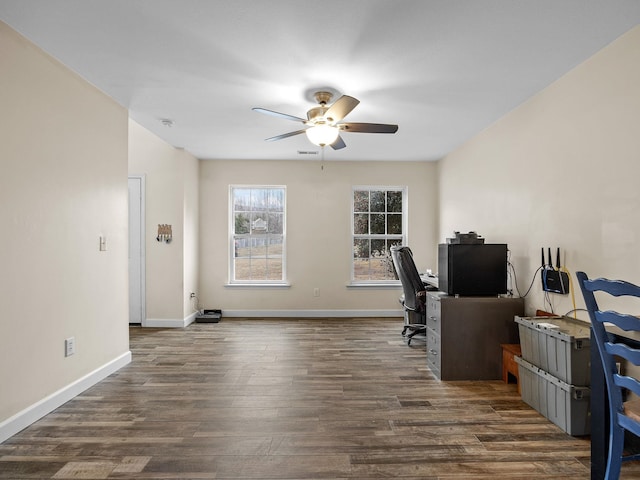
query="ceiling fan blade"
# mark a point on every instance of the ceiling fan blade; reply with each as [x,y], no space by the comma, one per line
[368,127]
[338,144]
[341,108]
[284,135]
[278,114]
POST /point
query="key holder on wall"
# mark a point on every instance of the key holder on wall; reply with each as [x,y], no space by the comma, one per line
[164,233]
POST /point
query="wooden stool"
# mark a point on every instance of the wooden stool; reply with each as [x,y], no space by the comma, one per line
[509,365]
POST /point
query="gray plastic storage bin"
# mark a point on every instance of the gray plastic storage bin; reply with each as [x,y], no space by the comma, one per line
[565,405]
[558,345]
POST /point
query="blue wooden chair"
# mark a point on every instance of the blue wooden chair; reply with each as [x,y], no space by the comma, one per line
[622,415]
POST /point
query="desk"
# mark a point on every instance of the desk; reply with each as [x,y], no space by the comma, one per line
[431,280]
[600,405]
[464,335]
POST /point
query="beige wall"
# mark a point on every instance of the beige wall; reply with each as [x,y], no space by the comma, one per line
[171,184]
[562,171]
[318,232]
[527,180]
[63,170]
[191,229]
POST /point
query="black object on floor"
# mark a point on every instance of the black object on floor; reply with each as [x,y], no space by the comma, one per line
[209,316]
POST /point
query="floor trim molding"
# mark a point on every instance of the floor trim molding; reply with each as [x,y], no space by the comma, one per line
[171,322]
[31,414]
[312,313]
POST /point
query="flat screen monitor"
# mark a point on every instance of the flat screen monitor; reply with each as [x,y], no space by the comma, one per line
[472,269]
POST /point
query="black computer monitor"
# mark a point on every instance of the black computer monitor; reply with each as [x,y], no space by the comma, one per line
[472,269]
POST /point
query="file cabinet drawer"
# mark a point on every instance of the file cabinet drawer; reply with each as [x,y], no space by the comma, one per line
[434,311]
[433,349]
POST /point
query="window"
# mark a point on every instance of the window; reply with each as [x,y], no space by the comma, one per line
[378,224]
[258,226]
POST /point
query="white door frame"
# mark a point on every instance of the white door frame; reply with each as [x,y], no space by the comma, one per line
[142,259]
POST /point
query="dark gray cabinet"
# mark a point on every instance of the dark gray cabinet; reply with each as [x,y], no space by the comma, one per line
[464,335]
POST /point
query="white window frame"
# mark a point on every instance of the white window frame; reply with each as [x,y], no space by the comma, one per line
[232,236]
[402,238]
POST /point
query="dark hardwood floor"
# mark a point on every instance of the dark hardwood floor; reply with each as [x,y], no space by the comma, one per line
[290,399]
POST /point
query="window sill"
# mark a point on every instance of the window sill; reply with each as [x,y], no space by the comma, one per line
[375,285]
[258,285]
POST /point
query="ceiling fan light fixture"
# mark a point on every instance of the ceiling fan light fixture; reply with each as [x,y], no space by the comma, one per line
[322,135]
[324,123]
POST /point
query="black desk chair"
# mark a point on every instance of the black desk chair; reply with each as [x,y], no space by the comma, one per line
[414,298]
[622,415]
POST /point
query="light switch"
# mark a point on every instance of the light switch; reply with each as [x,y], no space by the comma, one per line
[103,243]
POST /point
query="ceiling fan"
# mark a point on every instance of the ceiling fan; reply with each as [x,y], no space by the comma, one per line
[324,123]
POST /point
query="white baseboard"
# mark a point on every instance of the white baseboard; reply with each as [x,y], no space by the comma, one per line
[29,415]
[313,313]
[177,323]
[190,319]
[171,322]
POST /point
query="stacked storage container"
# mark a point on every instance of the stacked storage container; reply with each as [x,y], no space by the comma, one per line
[554,370]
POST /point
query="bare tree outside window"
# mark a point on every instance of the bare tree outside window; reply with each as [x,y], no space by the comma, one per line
[378,224]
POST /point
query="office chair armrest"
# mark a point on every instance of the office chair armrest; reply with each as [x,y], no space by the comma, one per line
[422,296]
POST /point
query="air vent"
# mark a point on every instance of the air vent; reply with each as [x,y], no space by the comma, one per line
[308,152]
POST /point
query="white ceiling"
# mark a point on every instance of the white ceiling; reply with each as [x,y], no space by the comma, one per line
[443,70]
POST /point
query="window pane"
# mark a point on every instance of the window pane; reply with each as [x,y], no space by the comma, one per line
[378,247]
[242,269]
[258,223]
[361,223]
[276,200]
[275,248]
[256,247]
[361,269]
[394,224]
[241,247]
[258,268]
[242,199]
[274,268]
[377,224]
[241,223]
[259,199]
[394,201]
[361,201]
[377,201]
[275,223]
[379,269]
[360,248]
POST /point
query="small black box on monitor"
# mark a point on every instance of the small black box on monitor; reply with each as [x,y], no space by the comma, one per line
[472,269]
[471,237]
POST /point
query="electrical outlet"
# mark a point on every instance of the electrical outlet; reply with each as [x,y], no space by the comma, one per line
[103,243]
[69,346]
